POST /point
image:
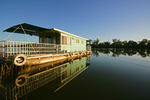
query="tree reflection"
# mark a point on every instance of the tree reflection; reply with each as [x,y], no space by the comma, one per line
[95,52]
[143,52]
[121,51]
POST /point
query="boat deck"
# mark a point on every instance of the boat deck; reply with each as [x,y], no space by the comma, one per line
[28,53]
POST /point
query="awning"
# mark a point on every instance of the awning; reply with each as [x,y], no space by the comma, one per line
[36,30]
[28,28]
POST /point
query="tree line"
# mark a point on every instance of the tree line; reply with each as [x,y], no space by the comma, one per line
[117,43]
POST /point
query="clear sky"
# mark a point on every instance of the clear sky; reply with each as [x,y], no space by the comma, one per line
[91,19]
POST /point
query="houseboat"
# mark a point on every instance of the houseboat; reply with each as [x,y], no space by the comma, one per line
[54,44]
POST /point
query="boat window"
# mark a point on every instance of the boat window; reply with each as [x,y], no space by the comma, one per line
[48,40]
[76,69]
[82,41]
[42,40]
[77,41]
[66,40]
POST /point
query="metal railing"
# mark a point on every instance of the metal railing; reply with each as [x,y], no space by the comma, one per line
[10,48]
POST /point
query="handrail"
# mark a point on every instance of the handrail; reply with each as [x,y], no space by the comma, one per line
[28,42]
[11,48]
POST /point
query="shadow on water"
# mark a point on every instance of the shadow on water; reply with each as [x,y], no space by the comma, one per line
[19,83]
[121,51]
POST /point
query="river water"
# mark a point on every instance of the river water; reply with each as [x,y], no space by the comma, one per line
[109,74]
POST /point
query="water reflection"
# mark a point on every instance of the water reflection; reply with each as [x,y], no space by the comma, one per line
[123,51]
[24,81]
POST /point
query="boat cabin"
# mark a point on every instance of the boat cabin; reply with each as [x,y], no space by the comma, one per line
[68,42]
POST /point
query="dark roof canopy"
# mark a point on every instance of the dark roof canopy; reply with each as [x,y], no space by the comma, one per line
[36,30]
[28,28]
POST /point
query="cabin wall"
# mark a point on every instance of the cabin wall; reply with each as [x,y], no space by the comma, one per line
[68,42]
[72,43]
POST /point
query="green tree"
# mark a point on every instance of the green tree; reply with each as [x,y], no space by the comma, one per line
[143,43]
[116,43]
[148,45]
[132,43]
[107,44]
[97,42]
[94,43]
[124,43]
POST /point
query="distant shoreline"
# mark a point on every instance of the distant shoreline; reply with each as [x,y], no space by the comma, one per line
[145,43]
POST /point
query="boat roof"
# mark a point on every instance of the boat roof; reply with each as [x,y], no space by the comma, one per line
[63,32]
[35,30]
[29,29]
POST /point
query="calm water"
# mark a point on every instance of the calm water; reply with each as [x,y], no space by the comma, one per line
[110,75]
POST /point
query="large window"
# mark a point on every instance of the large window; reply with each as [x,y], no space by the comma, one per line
[66,40]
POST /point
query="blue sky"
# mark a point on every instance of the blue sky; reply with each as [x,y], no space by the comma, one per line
[91,19]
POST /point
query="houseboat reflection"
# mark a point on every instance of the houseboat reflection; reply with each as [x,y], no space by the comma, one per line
[31,78]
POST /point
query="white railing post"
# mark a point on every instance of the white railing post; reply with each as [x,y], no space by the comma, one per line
[20,47]
[13,47]
[16,48]
[3,48]
[25,48]
[56,48]
[7,49]
[29,49]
